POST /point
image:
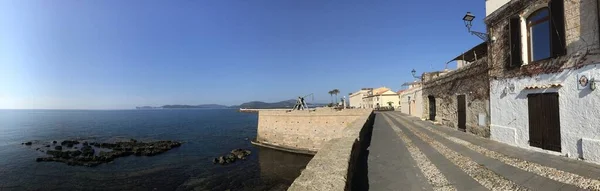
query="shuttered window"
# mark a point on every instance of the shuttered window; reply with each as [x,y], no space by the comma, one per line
[545,35]
[515,42]
[557,27]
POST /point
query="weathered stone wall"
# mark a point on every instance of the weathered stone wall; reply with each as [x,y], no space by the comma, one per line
[305,130]
[333,167]
[473,82]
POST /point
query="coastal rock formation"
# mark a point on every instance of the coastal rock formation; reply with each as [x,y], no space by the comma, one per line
[232,156]
[87,155]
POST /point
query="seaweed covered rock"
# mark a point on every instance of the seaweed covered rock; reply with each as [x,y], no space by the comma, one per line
[232,156]
[87,156]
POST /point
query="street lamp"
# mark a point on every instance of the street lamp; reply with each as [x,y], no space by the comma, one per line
[414,72]
[468,18]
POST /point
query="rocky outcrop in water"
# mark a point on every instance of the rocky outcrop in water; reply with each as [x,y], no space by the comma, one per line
[87,155]
[232,157]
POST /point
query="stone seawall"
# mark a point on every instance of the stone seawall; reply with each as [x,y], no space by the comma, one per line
[303,131]
[338,161]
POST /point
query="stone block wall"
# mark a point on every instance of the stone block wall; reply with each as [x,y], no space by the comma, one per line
[473,82]
[305,130]
[336,165]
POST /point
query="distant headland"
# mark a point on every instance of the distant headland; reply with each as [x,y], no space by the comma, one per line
[247,105]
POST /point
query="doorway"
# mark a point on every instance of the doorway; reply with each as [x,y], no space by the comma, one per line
[431,108]
[462,112]
[544,121]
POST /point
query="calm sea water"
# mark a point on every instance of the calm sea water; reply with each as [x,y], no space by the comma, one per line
[206,134]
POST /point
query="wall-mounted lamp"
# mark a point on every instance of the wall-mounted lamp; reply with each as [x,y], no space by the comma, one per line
[414,72]
[468,18]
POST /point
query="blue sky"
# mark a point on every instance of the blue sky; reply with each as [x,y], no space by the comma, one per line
[115,54]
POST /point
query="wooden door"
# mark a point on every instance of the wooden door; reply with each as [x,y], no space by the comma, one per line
[462,113]
[544,121]
[431,108]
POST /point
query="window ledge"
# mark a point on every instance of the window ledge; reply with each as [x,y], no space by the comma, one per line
[538,61]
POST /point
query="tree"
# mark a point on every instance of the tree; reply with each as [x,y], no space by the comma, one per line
[336,92]
[331,94]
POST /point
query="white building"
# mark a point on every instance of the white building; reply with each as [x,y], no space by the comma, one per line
[356,98]
[411,99]
[381,97]
[541,85]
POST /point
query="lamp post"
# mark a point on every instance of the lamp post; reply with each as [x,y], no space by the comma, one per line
[468,18]
[414,72]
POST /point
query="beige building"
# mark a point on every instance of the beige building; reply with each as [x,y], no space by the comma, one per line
[356,98]
[411,99]
[381,97]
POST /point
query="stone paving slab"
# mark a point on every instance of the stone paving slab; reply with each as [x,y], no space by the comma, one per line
[382,162]
[458,178]
[390,166]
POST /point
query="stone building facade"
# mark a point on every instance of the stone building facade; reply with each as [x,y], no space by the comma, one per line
[544,61]
[460,98]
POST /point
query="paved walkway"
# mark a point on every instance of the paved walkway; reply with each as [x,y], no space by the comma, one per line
[409,154]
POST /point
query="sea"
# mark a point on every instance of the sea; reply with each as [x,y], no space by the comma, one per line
[205,133]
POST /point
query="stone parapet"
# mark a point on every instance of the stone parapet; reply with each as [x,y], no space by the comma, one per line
[333,166]
[304,130]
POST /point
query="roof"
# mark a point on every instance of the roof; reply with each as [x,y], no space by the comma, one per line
[380,90]
[475,52]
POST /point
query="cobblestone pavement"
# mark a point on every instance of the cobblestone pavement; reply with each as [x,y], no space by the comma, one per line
[407,153]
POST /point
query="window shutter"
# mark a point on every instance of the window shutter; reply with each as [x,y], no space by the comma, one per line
[515,42]
[557,27]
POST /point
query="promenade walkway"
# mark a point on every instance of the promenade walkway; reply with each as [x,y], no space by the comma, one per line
[409,154]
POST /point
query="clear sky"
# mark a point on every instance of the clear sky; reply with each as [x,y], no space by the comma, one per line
[115,54]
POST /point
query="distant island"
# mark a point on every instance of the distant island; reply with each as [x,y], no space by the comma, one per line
[247,105]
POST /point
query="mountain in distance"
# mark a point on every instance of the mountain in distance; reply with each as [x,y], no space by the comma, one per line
[201,106]
[276,105]
[248,105]
[264,105]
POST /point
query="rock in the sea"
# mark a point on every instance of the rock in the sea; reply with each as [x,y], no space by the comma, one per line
[47,146]
[54,142]
[69,143]
[28,143]
[86,155]
[87,151]
[221,160]
[232,156]
[240,153]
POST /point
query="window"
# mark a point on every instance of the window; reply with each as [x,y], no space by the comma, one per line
[545,35]
[538,33]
